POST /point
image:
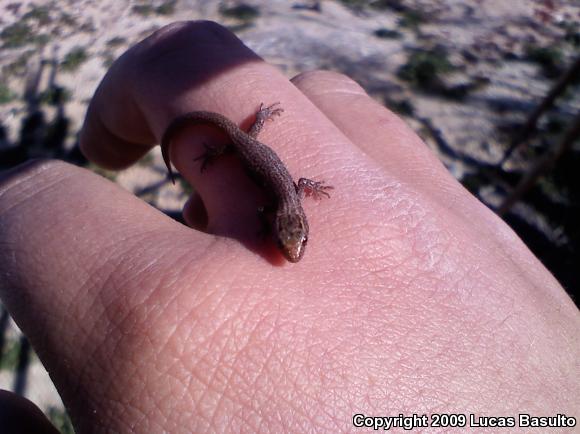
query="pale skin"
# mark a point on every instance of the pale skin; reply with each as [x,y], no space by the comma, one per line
[413,296]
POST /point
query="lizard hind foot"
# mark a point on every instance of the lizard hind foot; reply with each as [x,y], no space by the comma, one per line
[209,156]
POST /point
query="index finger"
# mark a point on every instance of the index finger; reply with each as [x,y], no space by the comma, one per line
[202,66]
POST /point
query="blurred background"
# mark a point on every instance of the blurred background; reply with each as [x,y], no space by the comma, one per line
[492,86]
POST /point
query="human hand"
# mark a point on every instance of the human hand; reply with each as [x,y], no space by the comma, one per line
[412,296]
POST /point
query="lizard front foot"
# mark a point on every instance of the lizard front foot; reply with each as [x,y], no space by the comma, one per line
[316,189]
[267,113]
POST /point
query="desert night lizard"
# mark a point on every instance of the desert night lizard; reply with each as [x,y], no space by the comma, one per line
[290,226]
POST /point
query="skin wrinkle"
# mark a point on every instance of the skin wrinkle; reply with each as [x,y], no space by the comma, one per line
[127,402]
[258,376]
[294,132]
[226,400]
[161,400]
[288,399]
[26,172]
[156,292]
[192,337]
[46,188]
[158,400]
[250,421]
[24,197]
[204,372]
[291,406]
[98,300]
[22,200]
[220,406]
[113,286]
[129,412]
[252,82]
[94,413]
[212,336]
[108,271]
[194,404]
[204,403]
[176,369]
[211,380]
[288,359]
[506,249]
[197,404]
[141,417]
[177,419]
[239,361]
[87,366]
[87,290]
[178,351]
[76,384]
[250,377]
[224,376]
[445,247]
[317,375]
[272,364]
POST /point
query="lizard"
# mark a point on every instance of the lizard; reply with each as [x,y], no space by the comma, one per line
[290,225]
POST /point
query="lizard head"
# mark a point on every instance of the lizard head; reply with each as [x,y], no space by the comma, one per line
[291,235]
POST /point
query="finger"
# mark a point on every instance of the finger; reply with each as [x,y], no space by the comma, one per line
[201,66]
[388,140]
[107,149]
[375,129]
[133,101]
[19,415]
[84,264]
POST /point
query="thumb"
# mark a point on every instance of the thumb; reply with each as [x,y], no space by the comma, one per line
[82,260]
